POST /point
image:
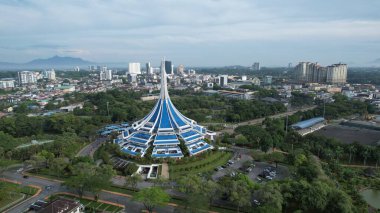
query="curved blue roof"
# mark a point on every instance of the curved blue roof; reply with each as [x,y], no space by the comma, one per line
[164,126]
[307,123]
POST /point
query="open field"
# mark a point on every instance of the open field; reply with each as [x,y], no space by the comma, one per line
[349,135]
[204,165]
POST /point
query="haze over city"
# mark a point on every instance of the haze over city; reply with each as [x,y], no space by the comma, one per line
[194,33]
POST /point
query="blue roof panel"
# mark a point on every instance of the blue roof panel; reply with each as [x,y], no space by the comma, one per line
[308,123]
[165,120]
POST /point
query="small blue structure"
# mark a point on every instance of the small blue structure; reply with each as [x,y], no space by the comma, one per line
[307,123]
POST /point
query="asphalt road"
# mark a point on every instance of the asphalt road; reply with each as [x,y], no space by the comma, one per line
[130,205]
[90,149]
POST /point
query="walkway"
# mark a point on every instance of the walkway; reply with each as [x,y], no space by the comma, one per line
[165,171]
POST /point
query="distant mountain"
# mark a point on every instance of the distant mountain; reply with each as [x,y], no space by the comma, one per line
[53,62]
[376,61]
[59,61]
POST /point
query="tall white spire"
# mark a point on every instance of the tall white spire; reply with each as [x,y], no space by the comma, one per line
[164,88]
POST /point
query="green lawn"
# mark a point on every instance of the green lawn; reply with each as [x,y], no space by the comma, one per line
[209,163]
[11,192]
[94,206]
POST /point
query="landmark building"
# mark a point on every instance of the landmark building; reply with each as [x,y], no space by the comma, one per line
[163,130]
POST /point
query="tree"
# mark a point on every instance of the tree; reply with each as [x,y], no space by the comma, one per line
[276,157]
[9,155]
[365,154]
[338,152]
[130,169]
[315,197]
[57,166]
[271,195]
[339,202]
[152,197]
[190,184]
[240,195]
[351,150]
[210,190]
[88,177]
[132,181]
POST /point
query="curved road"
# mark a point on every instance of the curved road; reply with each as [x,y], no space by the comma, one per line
[56,186]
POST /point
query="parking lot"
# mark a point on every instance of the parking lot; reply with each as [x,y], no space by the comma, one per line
[259,167]
[119,163]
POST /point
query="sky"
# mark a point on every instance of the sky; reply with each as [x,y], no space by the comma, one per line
[192,32]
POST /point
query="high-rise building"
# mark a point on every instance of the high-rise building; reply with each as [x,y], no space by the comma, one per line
[105,74]
[290,65]
[148,68]
[337,74]
[169,68]
[268,79]
[27,77]
[108,75]
[313,72]
[223,80]
[256,66]
[49,74]
[76,69]
[134,69]
[180,69]
[7,83]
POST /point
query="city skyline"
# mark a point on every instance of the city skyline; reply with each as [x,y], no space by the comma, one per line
[207,33]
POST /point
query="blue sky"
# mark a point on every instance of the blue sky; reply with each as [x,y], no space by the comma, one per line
[192,32]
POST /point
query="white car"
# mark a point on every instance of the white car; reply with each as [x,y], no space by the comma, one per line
[269,177]
[256,202]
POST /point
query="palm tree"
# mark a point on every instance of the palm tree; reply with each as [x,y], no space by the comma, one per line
[338,153]
[365,154]
[351,150]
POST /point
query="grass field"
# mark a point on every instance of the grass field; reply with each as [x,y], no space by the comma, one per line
[94,206]
[209,163]
[11,192]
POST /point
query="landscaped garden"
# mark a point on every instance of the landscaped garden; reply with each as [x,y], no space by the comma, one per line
[12,193]
[94,206]
[195,166]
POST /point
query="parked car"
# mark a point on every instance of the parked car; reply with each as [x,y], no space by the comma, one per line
[256,202]
[269,177]
[249,169]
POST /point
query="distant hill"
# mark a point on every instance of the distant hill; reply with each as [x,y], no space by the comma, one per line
[376,61]
[59,61]
[53,62]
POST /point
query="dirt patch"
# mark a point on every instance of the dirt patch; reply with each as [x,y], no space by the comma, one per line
[349,135]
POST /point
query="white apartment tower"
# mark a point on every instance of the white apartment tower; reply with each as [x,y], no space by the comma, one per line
[134,69]
[27,77]
[223,80]
[337,74]
[49,74]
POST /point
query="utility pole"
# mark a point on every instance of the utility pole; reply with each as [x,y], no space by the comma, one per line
[108,110]
[286,125]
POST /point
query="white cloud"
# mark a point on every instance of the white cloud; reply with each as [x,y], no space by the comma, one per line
[100,29]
